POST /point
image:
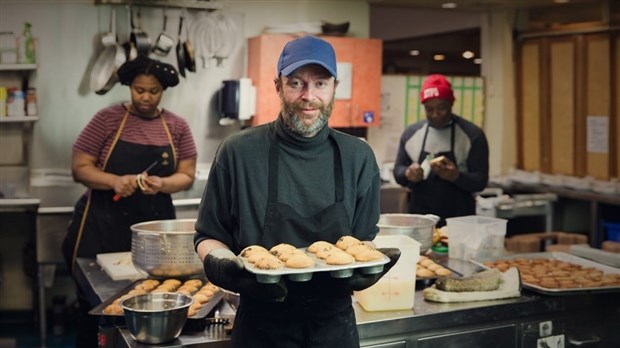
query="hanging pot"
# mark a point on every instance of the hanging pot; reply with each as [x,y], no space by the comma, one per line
[139,38]
[103,75]
[164,42]
[131,52]
[180,50]
[188,49]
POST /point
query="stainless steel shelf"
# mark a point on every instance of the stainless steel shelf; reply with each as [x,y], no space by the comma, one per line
[17,67]
[15,119]
[190,4]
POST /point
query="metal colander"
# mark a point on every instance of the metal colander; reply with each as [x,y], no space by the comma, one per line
[165,248]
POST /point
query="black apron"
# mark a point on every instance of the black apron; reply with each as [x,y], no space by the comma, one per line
[101,225]
[438,196]
[310,316]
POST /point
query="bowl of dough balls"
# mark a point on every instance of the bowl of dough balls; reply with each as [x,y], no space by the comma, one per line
[156,317]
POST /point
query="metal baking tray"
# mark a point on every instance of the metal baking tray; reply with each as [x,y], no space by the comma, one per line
[561,256]
[201,314]
[305,274]
[425,282]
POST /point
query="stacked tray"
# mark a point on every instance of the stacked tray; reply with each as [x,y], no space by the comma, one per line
[305,274]
[592,270]
[202,313]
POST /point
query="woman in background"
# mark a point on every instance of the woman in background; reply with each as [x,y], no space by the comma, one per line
[131,157]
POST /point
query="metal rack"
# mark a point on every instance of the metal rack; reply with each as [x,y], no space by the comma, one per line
[189,4]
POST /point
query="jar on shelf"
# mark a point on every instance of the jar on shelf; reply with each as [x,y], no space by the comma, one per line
[31,102]
[8,48]
[15,103]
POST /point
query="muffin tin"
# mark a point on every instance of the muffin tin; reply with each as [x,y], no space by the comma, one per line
[270,276]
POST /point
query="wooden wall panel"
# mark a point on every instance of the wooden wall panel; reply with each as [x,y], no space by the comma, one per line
[615,139]
[530,107]
[598,95]
[562,105]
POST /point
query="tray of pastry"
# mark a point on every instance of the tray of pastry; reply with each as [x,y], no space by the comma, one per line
[428,271]
[206,296]
[557,273]
[339,259]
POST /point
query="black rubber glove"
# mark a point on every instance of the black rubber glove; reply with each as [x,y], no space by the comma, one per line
[359,281]
[224,269]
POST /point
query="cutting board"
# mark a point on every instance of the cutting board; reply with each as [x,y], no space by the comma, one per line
[119,266]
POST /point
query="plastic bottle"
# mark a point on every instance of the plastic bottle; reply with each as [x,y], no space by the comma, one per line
[3,97]
[28,55]
[31,102]
[15,103]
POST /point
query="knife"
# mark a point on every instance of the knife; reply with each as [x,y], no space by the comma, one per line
[117,197]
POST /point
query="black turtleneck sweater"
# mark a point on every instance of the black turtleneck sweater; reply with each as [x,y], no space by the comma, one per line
[234,202]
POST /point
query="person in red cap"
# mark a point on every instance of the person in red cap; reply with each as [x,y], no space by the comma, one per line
[443,160]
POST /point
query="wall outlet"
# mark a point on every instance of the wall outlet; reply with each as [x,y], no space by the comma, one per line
[545,328]
[556,341]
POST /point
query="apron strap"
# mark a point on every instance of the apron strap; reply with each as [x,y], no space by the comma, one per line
[174,151]
[87,207]
[116,137]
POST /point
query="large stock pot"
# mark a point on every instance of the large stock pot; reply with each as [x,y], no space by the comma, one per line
[165,248]
[418,227]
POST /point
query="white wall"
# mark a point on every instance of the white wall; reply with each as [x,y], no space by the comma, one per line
[68,40]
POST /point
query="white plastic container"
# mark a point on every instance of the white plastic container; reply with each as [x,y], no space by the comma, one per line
[396,289]
[475,236]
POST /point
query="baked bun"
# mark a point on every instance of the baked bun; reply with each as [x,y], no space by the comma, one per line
[288,254]
[259,254]
[346,241]
[320,245]
[358,249]
[251,249]
[369,255]
[268,262]
[299,260]
[339,258]
[281,248]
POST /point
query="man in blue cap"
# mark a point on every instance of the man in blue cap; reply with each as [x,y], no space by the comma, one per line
[295,181]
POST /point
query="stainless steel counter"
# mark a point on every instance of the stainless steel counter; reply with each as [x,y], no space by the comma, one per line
[518,317]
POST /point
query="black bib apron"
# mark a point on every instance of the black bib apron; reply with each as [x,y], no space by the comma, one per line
[312,315]
[438,196]
[101,225]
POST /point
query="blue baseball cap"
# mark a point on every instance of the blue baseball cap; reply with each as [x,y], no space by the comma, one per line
[307,50]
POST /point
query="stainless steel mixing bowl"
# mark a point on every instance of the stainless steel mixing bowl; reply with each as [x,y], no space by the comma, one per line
[418,227]
[156,318]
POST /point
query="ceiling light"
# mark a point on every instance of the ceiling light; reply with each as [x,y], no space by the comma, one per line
[561,1]
[478,61]
[439,57]
[414,53]
[448,5]
[468,54]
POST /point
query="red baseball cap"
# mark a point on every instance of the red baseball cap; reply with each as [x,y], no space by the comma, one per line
[436,86]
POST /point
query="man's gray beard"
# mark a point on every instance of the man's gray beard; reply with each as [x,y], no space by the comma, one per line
[293,123]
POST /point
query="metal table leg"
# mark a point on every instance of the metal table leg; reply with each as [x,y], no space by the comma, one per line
[42,310]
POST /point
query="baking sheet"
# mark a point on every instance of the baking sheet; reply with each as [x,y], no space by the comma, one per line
[424,282]
[561,256]
[201,314]
[304,274]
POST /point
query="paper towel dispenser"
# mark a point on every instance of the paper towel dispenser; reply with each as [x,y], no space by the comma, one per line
[236,101]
